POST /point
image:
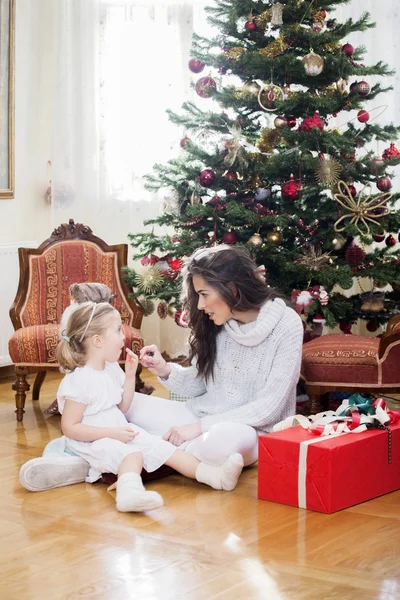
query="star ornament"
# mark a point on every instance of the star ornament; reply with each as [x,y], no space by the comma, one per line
[362,209]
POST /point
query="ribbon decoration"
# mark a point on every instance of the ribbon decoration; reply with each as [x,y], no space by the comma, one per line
[354,415]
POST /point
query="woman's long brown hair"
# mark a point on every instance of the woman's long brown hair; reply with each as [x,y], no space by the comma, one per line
[232,273]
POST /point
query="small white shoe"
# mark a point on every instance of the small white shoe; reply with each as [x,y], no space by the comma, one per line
[48,472]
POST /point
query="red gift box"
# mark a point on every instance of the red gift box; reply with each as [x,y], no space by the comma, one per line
[327,474]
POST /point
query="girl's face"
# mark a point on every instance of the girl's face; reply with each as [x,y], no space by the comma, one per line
[211,302]
[113,338]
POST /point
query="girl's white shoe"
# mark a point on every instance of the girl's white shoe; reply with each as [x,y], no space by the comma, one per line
[48,472]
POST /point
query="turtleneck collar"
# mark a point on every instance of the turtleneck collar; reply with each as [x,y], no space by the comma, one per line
[254,333]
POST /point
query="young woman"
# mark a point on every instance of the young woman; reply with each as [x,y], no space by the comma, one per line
[245,353]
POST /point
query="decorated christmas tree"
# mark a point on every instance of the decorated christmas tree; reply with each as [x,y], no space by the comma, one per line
[283,161]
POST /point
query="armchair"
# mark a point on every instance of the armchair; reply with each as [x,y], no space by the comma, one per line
[72,254]
[352,363]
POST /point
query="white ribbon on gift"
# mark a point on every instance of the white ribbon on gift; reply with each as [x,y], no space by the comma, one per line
[327,419]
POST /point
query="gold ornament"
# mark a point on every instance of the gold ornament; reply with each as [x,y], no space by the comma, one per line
[171,310]
[195,198]
[338,242]
[276,16]
[361,209]
[275,238]
[255,239]
[250,87]
[314,259]
[280,122]
[328,171]
[275,48]
[235,53]
[149,280]
[269,139]
[332,48]
[313,64]
[341,86]
[269,95]
[263,18]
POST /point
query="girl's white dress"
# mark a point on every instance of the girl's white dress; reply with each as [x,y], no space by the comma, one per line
[101,391]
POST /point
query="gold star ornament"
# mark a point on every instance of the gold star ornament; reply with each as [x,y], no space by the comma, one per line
[362,209]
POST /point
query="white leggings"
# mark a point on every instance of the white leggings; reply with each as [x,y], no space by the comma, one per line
[157,415]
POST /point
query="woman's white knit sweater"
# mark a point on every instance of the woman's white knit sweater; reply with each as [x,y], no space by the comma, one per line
[255,375]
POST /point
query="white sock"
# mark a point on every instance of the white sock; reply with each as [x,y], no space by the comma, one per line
[132,496]
[224,477]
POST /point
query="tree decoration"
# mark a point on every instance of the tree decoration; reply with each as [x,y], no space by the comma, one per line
[263,19]
[354,255]
[275,237]
[183,142]
[195,65]
[275,48]
[383,184]
[229,237]
[390,241]
[236,148]
[148,306]
[250,24]
[280,122]
[276,15]
[314,259]
[195,198]
[313,121]
[328,171]
[378,238]
[206,87]
[171,309]
[180,318]
[269,95]
[234,53]
[291,189]
[360,211]
[362,88]
[348,49]
[149,280]
[313,64]
[162,309]
[363,116]
[255,240]
[391,152]
[207,178]
[268,140]
[251,87]
[341,85]
[291,122]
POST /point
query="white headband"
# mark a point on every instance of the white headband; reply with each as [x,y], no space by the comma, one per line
[88,323]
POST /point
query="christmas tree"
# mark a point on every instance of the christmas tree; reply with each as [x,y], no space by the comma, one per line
[282,163]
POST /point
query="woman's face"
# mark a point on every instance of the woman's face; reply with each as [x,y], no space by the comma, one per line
[211,302]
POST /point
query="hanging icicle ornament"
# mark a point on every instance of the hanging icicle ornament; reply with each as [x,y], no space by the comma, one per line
[313,63]
[328,171]
[276,15]
[362,209]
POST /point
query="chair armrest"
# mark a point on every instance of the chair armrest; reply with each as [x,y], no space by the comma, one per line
[391,335]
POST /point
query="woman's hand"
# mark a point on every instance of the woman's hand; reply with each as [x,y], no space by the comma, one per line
[182,433]
[131,364]
[151,359]
[123,434]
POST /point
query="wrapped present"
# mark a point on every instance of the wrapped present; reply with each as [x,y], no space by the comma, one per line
[332,460]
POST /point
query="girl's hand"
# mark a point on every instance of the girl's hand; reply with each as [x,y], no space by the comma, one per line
[131,364]
[182,433]
[151,359]
[123,434]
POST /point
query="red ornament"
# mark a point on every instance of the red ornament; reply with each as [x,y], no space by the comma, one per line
[345,327]
[378,238]
[291,122]
[383,184]
[250,25]
[170,274]
[290,189]
[372,326]
[149,260]
[353,190]
[354,255]
[391,152]
[175,263]
[362,88]
[363,116]
[314,121]
[353,87]
[195,65]
[180,319]
[207,178]
[230,238]
[390,241]
[348,49]
[183,141]
[206,87]
[231,176]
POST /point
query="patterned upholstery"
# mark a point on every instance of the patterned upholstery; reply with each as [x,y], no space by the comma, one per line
[341,358]
[60,265]
[36,345]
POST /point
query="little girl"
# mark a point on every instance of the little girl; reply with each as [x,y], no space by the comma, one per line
[93,398]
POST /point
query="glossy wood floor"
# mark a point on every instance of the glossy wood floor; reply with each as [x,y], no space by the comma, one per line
[71,543]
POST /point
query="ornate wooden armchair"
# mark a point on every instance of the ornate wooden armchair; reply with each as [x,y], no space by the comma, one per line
[71,255]
[352,363]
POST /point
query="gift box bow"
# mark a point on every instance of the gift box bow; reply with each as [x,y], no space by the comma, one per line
[354,415]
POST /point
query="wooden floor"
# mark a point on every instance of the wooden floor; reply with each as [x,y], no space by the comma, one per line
[71,543]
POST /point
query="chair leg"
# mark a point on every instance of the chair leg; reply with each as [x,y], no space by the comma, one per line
[40,377]
[20,386]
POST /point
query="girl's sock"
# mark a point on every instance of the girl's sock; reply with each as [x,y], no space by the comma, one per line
[132,496]
[223,477]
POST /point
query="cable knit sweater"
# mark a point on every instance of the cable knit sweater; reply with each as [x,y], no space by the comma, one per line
[255,375]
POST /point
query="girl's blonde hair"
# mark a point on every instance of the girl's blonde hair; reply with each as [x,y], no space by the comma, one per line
[86,320]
